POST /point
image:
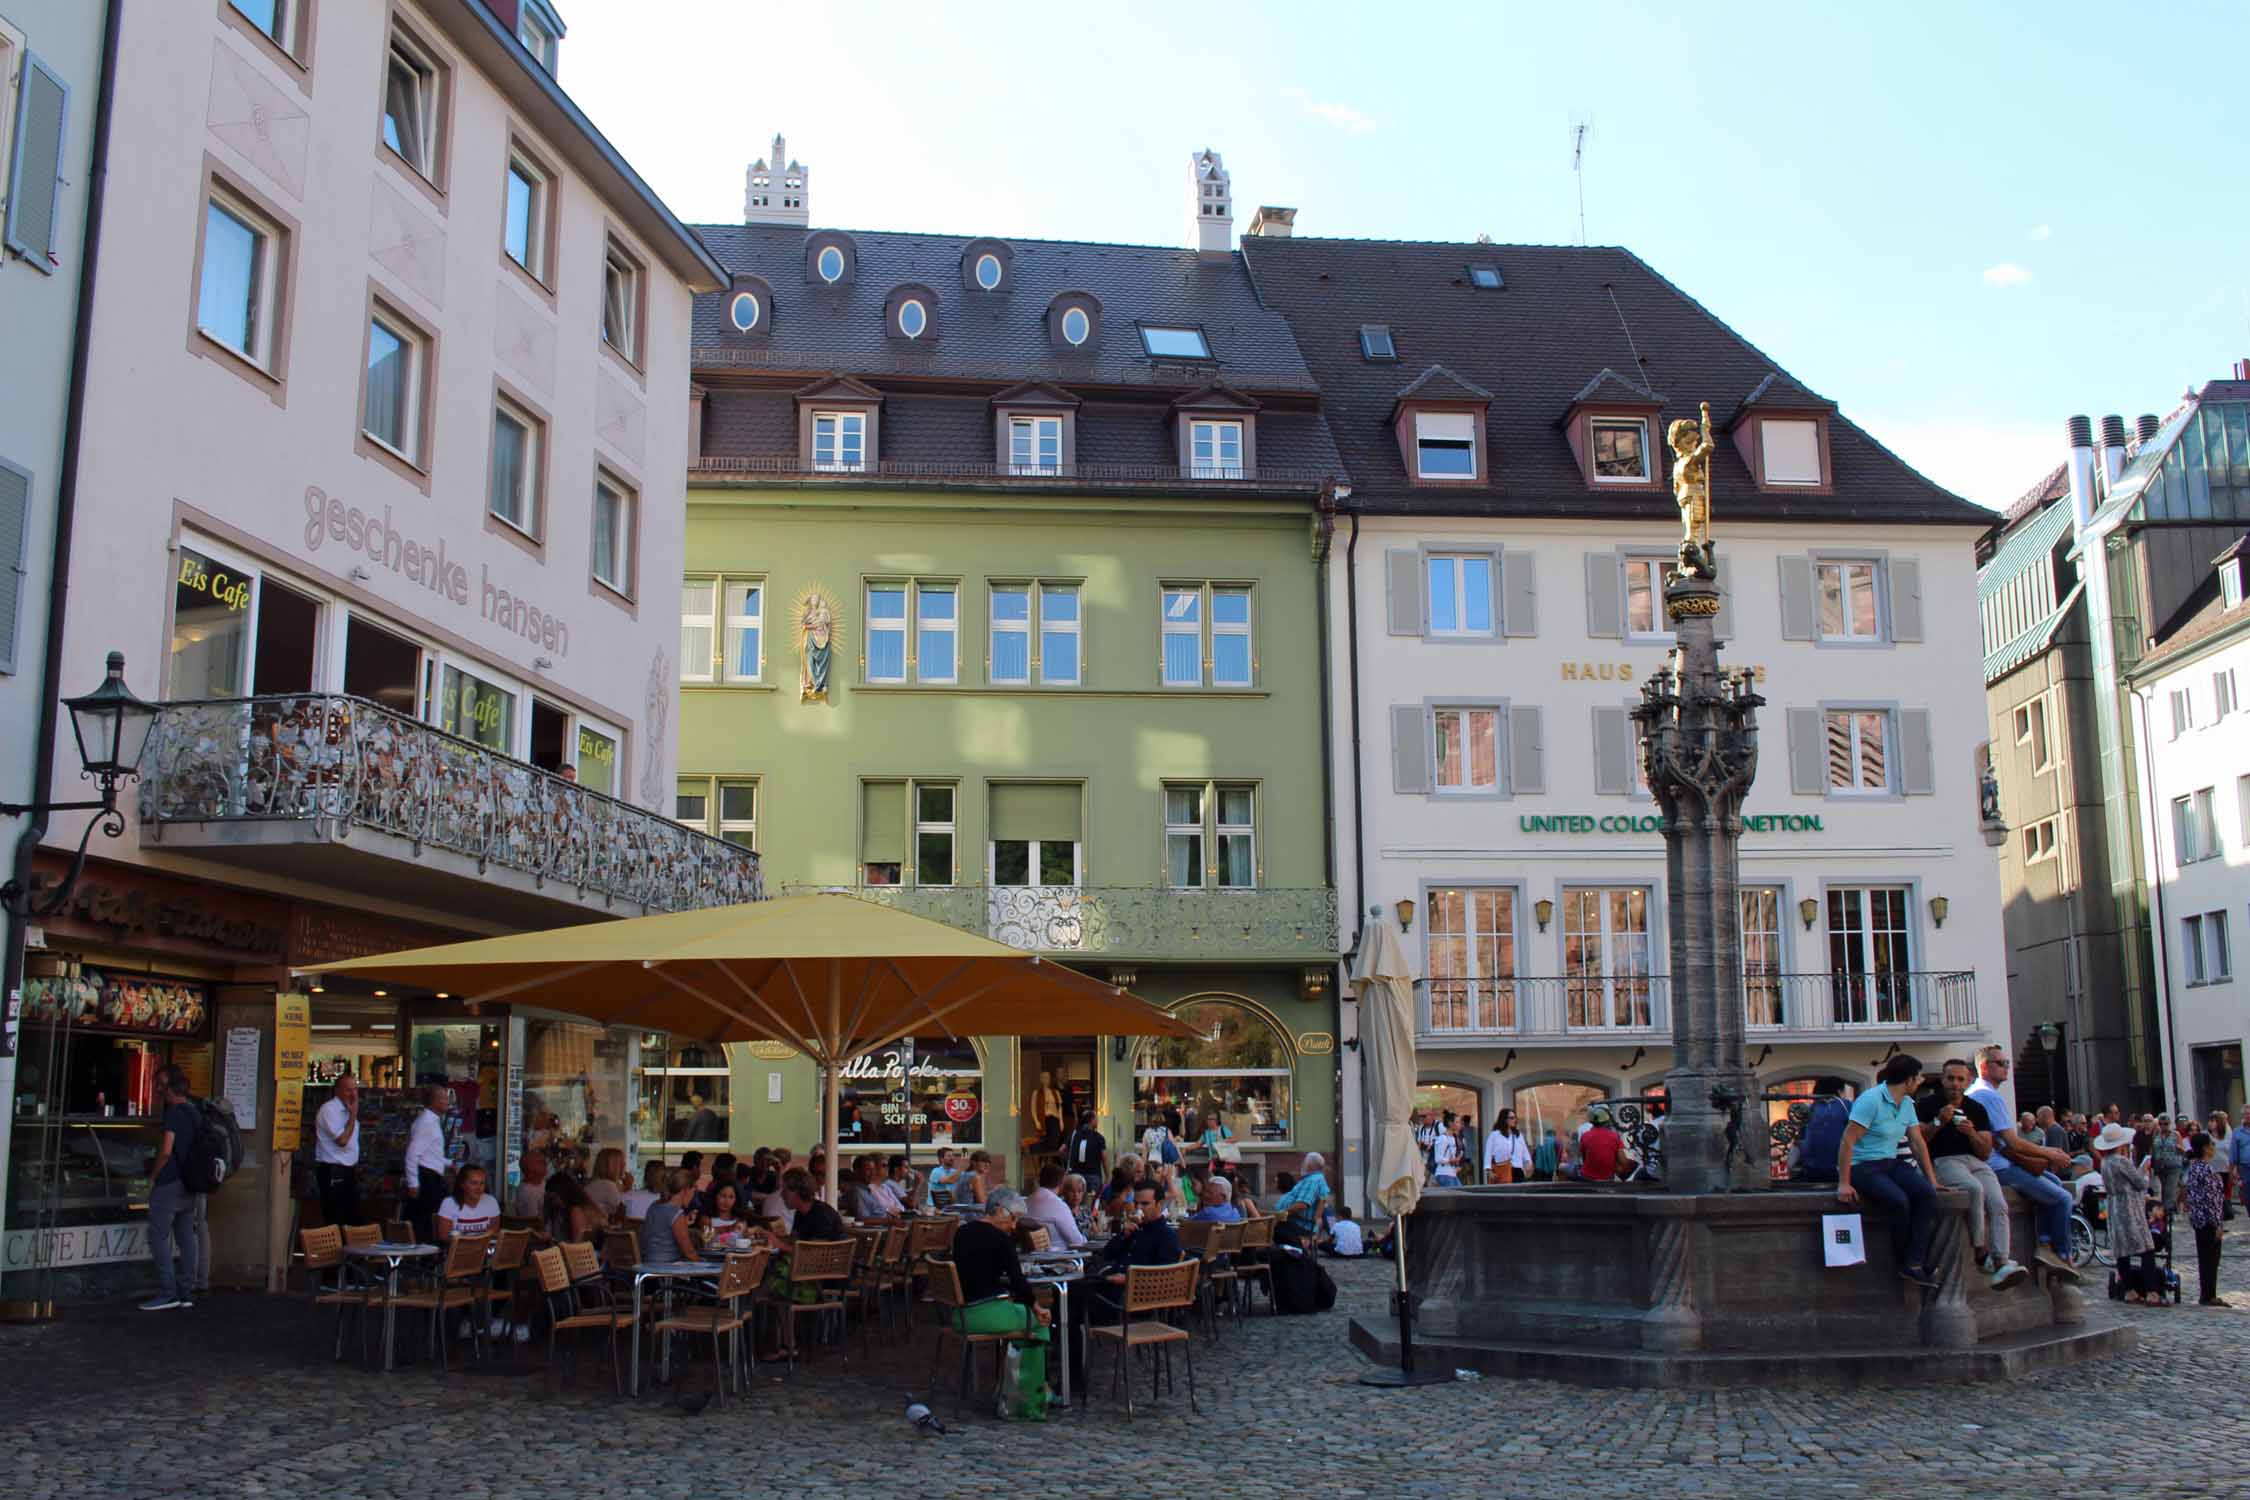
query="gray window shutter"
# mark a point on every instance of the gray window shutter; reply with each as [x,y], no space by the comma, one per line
[1906,599]
[1527,752]
[1605,602]
[1613,752]
[1808,753]
[1722,625]
[1519,590]
[1917,770]
[35,182]
[1403,569]
[1796,599]
[15,516]
[1410,748]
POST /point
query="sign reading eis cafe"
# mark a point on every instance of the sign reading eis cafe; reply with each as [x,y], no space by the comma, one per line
[1654,823]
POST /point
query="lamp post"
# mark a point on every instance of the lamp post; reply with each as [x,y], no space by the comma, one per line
[112,728]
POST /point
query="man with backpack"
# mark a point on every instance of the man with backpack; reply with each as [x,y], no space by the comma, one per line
[1086,1151]
[171,1210]
[1824,1131]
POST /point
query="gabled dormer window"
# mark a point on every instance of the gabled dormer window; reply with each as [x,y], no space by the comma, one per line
[1445,445]
[1790,447]
[2231,592]
[1620,449]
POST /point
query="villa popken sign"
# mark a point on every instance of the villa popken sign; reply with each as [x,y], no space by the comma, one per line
[1654,823]
[328,519]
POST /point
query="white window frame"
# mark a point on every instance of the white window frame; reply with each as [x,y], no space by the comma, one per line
[2183,711]
[538,207]
[621,532]
[1594,425]
[1855,714]
[705,789]
[1246,628]
[1480,992]
[1842,568]
[1766,431]
[1154,333]
[1468,787]
[950,827]
[2039,841]
[1653,564]
[1074,627]
[1215,434]
[265,273]
[283,35]
[576,724]
[949,628]
[2242,805]
[2223,699]
[732,622]
[1085,326]
[820,264]
[537,39]
[1224,832]
[846,442]
[1761,981]
[2036,730]
[1077,863]
[1617,987]
[418,146]
[1028,438]
[1458,563]
[621,301]
[414,348]
[1444,439]
[13,50]
[997,627]
[734,303]
[435,666]
[999,272]
[1199,864]
[532,499]
[2208,947]
[1883,1004]
[700,666]
[902,627]
[1171,627]
[921,309]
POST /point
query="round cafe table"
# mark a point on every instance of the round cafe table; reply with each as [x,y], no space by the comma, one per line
[395,1255]
[707,1270]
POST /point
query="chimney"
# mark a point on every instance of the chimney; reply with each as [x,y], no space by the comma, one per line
[775,189]
[2144,426]
[1211,204]
[1273,223]
[2081,431]
[2242,369]
[2113,450]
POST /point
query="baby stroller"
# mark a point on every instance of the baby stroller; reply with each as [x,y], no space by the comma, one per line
[2130,1277]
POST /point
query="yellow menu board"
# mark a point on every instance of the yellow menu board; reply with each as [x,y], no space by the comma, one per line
[288,1115]
[292,1038]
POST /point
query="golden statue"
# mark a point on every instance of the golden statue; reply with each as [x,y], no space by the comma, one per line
[812,618]
[1691,490]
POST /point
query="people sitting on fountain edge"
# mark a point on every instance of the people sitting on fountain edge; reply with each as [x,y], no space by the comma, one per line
[2029,1169]
[1959,1132]
[1824,1131]
[1868,1162]
[1602,1156]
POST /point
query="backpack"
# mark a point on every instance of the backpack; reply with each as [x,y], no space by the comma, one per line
[212,1157]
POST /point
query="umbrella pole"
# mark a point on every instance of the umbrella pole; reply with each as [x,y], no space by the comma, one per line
[1405,1374]
[835,1079]
[831,1127]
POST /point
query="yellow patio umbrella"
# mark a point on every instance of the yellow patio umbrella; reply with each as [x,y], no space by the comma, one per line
[831,975]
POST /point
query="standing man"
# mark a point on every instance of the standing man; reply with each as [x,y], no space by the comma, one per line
[336,1152]
[422,1181]
[171,1217]
[1445,1151]
[1086,1151]
[2029,1169]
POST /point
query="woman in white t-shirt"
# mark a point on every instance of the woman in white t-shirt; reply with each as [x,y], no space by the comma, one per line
[471,1210]
[609,1182]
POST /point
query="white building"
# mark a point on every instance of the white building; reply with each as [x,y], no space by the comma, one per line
[1497,598]
[2187,689]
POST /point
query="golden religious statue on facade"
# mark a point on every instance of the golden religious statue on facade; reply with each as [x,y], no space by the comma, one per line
[1691,489]
[813,618]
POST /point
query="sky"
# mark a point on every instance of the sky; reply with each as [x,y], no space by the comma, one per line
[1961,222]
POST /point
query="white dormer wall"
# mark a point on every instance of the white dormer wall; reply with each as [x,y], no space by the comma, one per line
[777,190]
[1211,204]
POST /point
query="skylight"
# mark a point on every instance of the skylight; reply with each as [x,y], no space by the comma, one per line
[1485,277]
[1174,343]
[1375,342]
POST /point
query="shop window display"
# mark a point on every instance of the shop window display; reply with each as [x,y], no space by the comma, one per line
[942,1103]
[686,1098]
[574,1091]
[1236,1073]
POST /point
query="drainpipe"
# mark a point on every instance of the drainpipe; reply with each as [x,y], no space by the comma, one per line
[66,499]
[2158,933]
[1324,534]
[1359,819]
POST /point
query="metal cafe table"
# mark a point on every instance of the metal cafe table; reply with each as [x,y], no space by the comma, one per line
[1060,1270]
[706,1270]
[395,1255]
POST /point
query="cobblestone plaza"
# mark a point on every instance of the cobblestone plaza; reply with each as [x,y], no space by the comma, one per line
[220,1400]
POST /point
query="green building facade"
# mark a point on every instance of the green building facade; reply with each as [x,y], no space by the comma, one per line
[1061,686]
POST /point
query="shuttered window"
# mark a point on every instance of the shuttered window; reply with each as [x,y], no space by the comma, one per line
[35,168]
[15,520]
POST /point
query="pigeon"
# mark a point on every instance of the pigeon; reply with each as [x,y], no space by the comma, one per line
[691,1403]
[922,1417]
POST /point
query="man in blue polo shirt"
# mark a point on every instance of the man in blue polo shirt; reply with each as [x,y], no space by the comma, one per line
[1868,1162]
[2011,1152]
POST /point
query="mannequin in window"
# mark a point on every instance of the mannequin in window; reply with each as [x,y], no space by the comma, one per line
[1046,1113]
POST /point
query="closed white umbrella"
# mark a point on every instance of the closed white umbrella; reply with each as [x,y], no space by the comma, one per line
[1385,986]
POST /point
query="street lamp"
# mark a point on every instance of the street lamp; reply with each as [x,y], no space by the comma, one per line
[112,728]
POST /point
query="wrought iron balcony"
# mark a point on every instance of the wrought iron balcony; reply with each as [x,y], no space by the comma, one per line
[345,791]
[1637,1007]
[722,470]
[1294,924]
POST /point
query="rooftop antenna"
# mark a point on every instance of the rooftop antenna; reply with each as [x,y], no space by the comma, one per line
[1580,128]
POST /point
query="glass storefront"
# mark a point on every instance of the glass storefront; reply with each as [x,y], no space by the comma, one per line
[465,1057]
[1557,1108]
[576,1090]
[940,1104]
[686,1098]
[597,761]
[1236,1072]
[211,605]
[476,710]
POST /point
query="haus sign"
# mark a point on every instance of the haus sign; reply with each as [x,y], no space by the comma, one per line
[1654,823]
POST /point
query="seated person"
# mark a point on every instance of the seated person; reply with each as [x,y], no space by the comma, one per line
[1344,1240]
[976,1182]
[1218,1203]
[944,1175]
[1306,1203]
[1078,1200]
[871,1196]
[636,1202]
[667,1229]
[1147,1240]
[572,1213]
[1602,1155]
[1046,1209]
[724,1217]
[471,1210]
[994,1294]
[905,1182]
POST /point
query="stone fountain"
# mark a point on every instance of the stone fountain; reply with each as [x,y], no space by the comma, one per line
[1713,1275]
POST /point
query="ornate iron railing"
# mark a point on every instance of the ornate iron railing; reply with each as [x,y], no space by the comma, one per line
[1130,921]
[1630,1005]
[1639,1119]
[328,758]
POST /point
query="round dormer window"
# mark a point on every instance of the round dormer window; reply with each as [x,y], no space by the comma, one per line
[830,264]
[913,318]
[1076,326]
[743,312]
[988,272]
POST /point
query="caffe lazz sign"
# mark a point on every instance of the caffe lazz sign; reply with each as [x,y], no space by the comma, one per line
[80,1245]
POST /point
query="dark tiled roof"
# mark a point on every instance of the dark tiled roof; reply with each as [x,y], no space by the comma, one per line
[1437,383]
[1608,385]
[2202,616]
[2055,486]
[1532,344]
[1783,392]
[998,336]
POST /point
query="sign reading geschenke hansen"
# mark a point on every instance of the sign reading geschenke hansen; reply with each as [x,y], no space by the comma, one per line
[78,1245]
